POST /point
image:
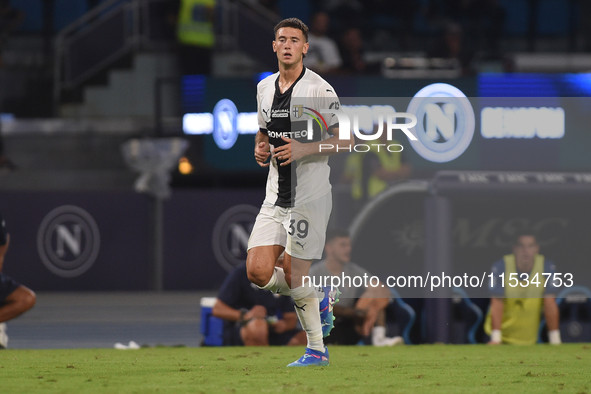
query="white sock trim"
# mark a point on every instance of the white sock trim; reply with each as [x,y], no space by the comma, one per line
[495,336]
[554,337]
[302,292]
[272,282]
[378,333]
[277,283]
[308,311]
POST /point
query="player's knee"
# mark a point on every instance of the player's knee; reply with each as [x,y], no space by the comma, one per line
[27,300]
[258,278]
[256,333]
[22,299]
[256,275]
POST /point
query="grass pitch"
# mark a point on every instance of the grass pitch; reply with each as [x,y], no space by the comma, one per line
[354,369]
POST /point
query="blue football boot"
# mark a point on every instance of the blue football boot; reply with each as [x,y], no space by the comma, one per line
[331,297]
[311,358]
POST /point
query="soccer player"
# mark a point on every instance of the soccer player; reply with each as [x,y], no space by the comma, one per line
[298,201]
[15,298]
[516,307]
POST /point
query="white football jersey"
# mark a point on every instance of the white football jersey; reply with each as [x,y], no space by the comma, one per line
[286,115]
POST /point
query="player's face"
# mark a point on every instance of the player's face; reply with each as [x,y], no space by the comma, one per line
[340,249]
[290,45]
[525,250]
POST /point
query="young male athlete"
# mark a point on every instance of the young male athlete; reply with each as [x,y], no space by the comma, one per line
[298,201]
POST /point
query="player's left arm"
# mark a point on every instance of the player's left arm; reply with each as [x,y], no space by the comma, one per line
[294,150]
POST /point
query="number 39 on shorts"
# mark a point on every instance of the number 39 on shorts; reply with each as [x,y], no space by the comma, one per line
[301,227]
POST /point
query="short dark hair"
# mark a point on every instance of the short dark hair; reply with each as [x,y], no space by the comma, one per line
[295,23]
[523,233]
[333,233]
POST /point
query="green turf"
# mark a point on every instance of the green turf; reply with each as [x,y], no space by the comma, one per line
[355,369]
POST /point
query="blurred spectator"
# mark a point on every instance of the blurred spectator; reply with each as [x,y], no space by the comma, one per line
[482,21]
[10,19]
[271,5]
[344,13]
[361,311]
[352,52]
[372,172]
[323,55]
[15,298]
[516,303]
[452,46]
[195,32]
[255,317]
[493,16]
[533,7]
[585,23]
[399,16]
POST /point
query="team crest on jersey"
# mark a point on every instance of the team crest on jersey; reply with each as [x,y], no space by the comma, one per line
[298,111]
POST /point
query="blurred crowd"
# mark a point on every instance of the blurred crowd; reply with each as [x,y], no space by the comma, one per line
[449,29]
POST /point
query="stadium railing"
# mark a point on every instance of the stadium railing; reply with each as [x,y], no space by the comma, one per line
[463,301]
[410,315]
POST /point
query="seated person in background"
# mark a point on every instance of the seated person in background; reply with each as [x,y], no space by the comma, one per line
[10,20]
[15,298]
[360,311]
[352,50]
[370,173]
[256,317]
[515,308]
[452,46]
[323,55]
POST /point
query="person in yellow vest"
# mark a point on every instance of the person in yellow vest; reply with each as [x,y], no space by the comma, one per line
[516,304]
[195,32]
[370,173]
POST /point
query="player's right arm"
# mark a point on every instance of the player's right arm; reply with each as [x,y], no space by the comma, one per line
[262,148]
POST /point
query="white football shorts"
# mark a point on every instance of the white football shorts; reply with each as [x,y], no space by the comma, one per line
[301,229]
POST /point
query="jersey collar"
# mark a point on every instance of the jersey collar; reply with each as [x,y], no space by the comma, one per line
[288,91]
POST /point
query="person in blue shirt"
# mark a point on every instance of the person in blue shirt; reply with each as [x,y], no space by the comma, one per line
[255,317]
